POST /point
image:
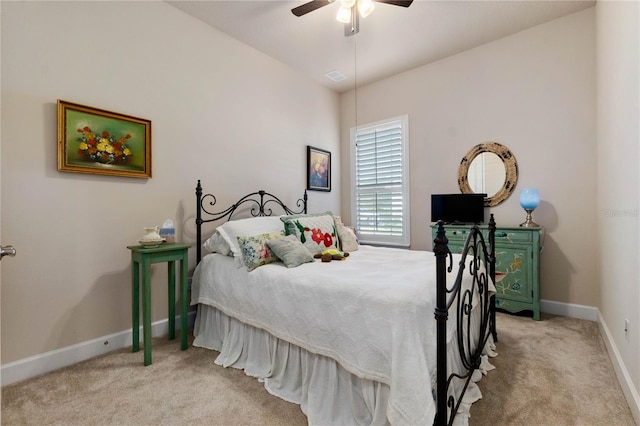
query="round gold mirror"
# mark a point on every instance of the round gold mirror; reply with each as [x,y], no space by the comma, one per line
[488,168]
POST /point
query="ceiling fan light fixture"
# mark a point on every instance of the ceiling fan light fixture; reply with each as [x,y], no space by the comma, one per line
[365,7]
[348,4]
[344,15]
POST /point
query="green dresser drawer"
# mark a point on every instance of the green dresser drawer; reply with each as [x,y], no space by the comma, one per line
[457,234]
[512,235]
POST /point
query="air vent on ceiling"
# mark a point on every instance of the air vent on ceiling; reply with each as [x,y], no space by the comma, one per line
[335,76]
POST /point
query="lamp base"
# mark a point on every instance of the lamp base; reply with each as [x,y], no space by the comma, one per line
[529,223]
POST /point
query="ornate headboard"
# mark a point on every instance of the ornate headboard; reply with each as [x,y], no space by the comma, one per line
[259,203]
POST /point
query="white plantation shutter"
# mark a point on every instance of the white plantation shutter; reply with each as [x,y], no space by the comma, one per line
[380,170]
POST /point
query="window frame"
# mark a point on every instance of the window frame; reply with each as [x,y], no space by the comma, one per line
[398,241]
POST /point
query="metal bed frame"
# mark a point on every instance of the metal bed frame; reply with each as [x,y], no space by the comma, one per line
[481,267]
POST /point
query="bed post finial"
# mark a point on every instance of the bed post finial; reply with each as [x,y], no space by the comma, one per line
[198,221]
[305,201]
[492,235]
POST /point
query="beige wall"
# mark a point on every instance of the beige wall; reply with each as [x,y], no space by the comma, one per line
[221,112]
[618,25]
[533,92]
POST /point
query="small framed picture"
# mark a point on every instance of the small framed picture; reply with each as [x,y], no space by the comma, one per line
[99,142]
[318,169]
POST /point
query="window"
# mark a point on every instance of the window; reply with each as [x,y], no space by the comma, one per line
[380,182]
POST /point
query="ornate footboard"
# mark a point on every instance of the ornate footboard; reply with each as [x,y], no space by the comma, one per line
[482,268]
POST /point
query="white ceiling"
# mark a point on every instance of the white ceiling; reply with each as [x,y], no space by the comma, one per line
[392,39]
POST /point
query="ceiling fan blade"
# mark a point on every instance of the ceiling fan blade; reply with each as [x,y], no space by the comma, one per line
[310,7]
[396,2]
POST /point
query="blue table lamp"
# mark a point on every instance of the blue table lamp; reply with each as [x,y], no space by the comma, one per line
[529,200]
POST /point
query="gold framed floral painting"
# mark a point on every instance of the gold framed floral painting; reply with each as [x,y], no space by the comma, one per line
[100,142]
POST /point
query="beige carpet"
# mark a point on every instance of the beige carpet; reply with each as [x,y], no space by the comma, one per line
[550,372]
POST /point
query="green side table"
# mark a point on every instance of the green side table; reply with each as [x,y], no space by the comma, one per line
[143,257]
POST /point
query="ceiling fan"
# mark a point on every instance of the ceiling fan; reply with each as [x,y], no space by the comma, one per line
[348,12]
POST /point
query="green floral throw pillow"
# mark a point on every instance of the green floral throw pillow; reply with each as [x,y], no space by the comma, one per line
[256,252]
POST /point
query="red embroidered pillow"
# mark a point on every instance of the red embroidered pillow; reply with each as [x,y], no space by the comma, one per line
[316,232]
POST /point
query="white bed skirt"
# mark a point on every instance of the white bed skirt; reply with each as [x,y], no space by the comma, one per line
[326,392]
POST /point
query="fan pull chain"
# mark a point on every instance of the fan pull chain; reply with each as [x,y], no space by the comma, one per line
[355,79]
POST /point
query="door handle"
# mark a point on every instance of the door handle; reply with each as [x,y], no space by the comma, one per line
[7,251]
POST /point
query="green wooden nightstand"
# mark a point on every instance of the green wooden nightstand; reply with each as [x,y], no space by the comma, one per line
[143,257]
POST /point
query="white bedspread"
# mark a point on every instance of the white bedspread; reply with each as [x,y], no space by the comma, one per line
[372,312]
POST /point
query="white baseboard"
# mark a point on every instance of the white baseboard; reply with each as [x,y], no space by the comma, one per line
[43,363]
[569,310]
[628,389]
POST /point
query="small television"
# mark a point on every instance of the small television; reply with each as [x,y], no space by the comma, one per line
[457,208]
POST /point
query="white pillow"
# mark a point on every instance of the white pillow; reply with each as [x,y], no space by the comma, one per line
[348,239]
[217,244]
[347,236]
[233,229]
